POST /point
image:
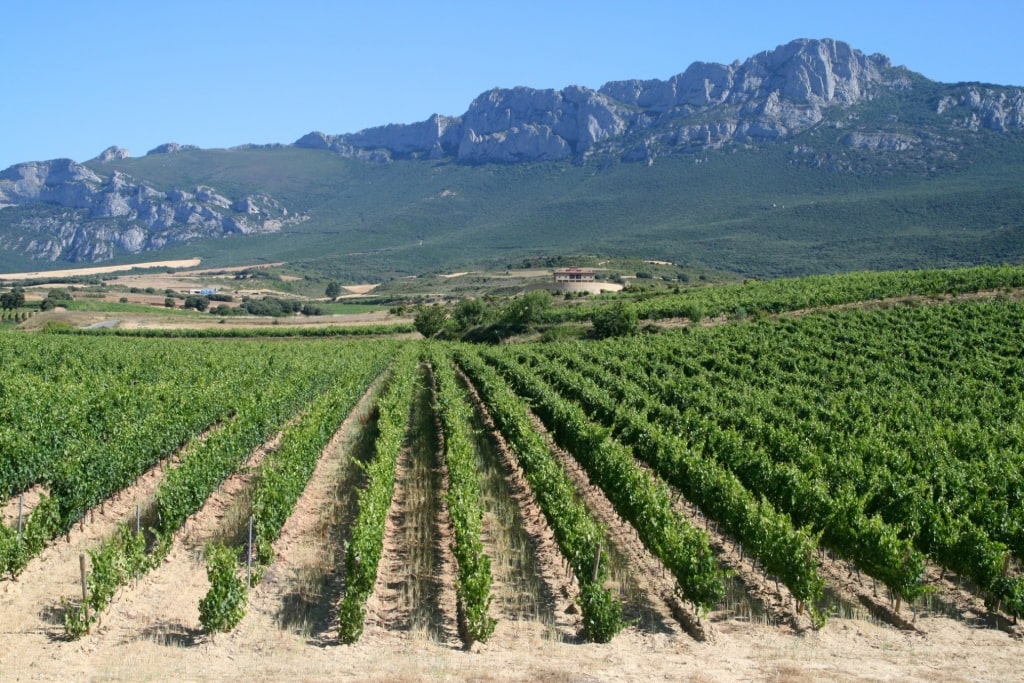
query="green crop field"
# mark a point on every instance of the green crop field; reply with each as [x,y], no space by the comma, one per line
[865,451]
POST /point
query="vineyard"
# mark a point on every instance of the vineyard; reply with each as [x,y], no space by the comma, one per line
[320,503]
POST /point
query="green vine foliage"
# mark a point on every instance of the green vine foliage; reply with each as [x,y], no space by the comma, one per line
[578,534]
[41,525]
[118,560]
[362,555]
[224,605]
[602,613]
[465,506]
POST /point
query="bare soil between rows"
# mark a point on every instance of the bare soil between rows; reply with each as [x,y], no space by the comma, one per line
[152,632]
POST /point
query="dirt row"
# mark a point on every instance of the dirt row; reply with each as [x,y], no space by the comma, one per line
[152,630]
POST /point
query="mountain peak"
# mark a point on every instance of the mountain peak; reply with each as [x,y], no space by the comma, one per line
[770,96]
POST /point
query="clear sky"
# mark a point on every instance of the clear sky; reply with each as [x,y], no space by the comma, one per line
[77,76]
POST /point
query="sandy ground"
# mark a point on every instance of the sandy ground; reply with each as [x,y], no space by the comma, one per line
[101,270]
[209,322]
[261,651]
[152,631]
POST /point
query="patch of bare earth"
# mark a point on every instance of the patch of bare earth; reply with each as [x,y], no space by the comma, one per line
[21,506]
[263,648]
[647,588]
[100,270]
[534,594]
[415,591]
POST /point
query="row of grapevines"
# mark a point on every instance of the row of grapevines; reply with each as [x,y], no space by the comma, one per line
[16,549]
[464,501]
[362,556]
[63,399]
[578,535]
[910,415]
[205,464]
[116,561]
[281,479]
[262,413]
[639,498]
[242,332]
[17,314]
[801,492]
[85,422]
[790,294]
[284,472]
[765,533]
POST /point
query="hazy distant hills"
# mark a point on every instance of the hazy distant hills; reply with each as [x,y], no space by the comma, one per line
[812,157]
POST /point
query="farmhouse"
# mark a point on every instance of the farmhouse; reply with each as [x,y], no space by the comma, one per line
[574,274]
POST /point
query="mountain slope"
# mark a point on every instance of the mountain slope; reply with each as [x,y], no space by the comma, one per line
[809,158]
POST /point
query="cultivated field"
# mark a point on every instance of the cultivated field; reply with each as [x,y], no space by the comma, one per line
[829,496]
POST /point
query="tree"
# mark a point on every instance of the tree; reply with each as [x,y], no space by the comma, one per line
[13,299]
[430,320]
[469,312]
[169,302]
[617,320]
[56,297]
[333,290]
[200,303]
[528,309]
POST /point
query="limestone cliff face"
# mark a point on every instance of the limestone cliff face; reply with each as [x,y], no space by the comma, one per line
[770,96]
[974,106]
[92,218]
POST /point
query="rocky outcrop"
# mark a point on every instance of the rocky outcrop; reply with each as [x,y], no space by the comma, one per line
[770,96]
[87,217]
[892,142]
[113,153]
[975,107]
[170,148]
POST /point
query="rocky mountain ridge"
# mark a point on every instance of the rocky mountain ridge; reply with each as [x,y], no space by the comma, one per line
[769,97]
[843,110]
[93,218]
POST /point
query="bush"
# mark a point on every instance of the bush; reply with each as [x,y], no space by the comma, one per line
[200,303]
[617,320]
[430,320]
[529,309]
[469,312]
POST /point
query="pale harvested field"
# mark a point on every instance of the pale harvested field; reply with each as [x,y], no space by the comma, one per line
[101,270]
[156,321]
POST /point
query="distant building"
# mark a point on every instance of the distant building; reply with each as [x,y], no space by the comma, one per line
[574,274]
[204,292]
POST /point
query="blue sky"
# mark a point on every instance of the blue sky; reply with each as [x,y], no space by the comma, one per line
[81,75]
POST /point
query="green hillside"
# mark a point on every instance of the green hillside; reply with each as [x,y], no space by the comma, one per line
[759,211]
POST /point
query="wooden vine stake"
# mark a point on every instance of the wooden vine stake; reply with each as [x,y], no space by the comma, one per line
[85,593]
[248,561]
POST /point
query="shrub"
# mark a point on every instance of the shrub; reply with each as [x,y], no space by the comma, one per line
[617,320]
